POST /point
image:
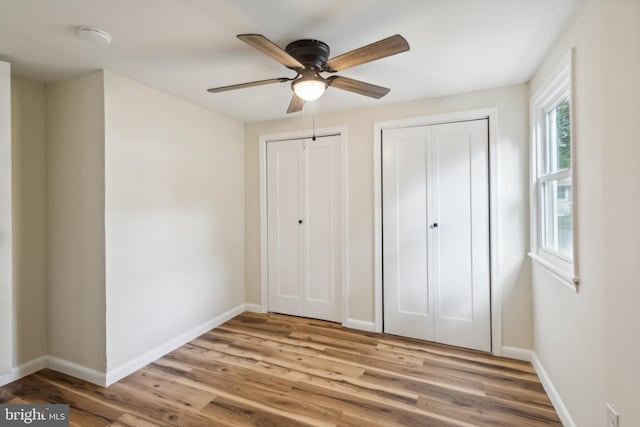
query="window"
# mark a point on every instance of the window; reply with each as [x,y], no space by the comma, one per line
[552,228]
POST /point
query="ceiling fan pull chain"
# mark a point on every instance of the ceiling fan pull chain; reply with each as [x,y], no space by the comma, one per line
[313,137]
[304,118]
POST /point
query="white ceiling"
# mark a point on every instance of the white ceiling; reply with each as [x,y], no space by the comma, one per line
[184,47]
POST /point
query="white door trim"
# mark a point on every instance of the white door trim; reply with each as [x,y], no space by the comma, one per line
[264,282]
[496,294]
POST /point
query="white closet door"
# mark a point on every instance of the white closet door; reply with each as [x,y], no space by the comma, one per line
[459,178]
[323,229]
[285,174]
[408,298]
[436,233]
[304,227]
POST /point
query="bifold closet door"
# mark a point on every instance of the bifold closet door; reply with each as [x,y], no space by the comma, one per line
[436,262]
[285,196]
[304,227]
[408,297]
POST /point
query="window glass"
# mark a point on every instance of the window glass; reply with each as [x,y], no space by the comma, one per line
[558,151]
[557,216]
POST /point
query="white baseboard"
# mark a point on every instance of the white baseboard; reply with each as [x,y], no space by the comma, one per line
[76,370]
[56,364]
[143,360]
[23,370]
[553,394]
[360,325]
[517,353]
[254,308]
[102,379]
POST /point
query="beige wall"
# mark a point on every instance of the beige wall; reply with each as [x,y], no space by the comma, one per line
[6,276]
[75,220]
[569,327]
[588,342]
[512,146]
[621,139]
[128,216]
[29,219]
[174,217]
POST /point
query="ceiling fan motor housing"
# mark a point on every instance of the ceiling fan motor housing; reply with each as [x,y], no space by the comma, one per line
[310,53]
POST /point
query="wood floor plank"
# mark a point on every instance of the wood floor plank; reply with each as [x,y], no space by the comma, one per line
[261,333]
[455,352]
[252,403]
[463,385]
[225,382]
[278,370]
[356,405]
[524,371]
[123,398]
[240,415]
[486,412]
[167,392]
[84,411]
[354,359]
[310,362]
[130,420]
[525,397]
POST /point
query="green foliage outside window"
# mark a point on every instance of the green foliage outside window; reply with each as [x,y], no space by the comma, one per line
[563,132]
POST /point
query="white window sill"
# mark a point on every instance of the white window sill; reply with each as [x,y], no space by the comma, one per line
[563,277]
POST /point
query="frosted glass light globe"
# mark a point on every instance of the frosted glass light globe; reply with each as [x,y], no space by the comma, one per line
[309,90]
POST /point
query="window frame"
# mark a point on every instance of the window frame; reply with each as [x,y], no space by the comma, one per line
[545,99]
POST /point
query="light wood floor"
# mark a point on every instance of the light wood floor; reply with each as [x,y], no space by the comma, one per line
[274,370]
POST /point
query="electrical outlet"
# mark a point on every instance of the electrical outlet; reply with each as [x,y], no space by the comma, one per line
[612,417]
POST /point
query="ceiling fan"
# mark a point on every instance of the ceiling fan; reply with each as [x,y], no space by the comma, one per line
[309,58]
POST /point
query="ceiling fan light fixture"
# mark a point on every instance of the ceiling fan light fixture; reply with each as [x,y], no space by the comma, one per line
[309,88]
[309,58]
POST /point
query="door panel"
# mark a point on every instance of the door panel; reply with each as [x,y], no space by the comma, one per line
[323,228]
[285,242]
[461,258]
[407,299]
[436,233]
[304,227]
[451,190]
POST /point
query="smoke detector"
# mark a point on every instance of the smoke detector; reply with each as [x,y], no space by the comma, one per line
[94,35]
